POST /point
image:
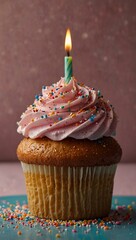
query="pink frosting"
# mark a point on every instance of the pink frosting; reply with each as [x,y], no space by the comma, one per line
[68,110]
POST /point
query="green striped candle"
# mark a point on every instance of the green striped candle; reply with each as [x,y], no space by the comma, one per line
[68,59]
[68,68]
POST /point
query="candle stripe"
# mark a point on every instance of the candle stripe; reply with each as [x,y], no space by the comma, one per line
[68,69]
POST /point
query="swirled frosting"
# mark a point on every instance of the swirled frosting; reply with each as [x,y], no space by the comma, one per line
[68,110]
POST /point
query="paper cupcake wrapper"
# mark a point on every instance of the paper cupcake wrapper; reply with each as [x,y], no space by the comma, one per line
[69,192]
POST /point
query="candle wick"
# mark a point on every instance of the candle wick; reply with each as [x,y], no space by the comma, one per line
[68,53]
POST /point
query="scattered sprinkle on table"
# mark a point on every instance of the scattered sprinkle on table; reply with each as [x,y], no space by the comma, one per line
[18,218]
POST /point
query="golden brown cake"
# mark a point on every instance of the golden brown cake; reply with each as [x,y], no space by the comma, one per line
[69,179]
[70,152]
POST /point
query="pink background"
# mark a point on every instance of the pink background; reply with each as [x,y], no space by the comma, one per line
[32,50]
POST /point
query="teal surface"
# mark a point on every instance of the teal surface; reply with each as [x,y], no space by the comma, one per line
[124,231]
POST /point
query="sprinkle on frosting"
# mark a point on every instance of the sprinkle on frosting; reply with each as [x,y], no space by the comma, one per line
[81,111]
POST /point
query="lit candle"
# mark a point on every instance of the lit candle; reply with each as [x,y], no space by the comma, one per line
[68,58]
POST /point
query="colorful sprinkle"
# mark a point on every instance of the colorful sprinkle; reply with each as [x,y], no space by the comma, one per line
[43,87]
[118,222]
[106,228]
[60,118]
[99,93]
[37,97]
[74,230]
[92,118]
[44,116]
[73,115]
[19,233]
[58,235]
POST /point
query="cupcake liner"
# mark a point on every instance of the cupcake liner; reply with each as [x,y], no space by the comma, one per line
[69,192]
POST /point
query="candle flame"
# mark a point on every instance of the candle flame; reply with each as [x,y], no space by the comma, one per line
[68,41]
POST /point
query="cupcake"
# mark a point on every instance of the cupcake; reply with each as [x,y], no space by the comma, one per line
[68,154]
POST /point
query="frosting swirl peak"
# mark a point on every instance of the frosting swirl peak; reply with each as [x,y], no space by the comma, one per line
[68,110]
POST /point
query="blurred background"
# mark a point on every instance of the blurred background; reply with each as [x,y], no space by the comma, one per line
[32,53]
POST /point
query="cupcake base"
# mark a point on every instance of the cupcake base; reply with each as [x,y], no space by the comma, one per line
[69,192]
